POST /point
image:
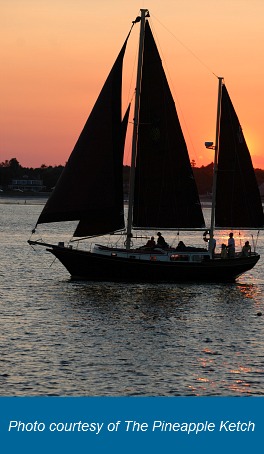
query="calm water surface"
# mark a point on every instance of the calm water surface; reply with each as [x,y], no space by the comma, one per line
[63,338]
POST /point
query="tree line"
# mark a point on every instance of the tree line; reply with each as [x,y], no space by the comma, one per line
[11,169]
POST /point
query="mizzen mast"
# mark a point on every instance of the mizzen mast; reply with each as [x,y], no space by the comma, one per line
[216,149]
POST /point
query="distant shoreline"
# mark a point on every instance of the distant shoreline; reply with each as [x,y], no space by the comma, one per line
[22,194]
[204,199]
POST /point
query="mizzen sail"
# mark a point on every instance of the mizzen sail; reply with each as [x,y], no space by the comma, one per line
[166,195]
[238,201]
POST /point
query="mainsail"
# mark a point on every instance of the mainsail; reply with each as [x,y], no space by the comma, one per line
[90,188]
[238,201]
[166,195]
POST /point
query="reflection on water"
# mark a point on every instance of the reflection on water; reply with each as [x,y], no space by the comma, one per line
[59,337]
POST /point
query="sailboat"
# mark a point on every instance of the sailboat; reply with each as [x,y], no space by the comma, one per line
[163,193]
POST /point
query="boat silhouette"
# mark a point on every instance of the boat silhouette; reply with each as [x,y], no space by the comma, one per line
[162,191]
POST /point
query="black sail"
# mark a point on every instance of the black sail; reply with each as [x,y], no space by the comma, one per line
[83,227]
[166,195]
[238,201]
[90,188]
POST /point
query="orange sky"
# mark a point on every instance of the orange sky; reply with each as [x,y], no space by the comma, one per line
[56,54]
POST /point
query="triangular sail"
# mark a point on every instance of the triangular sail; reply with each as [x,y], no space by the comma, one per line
[166,195]
[238,201]
[84,226]
[80,193]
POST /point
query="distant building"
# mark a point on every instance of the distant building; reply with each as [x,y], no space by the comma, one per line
[27,185]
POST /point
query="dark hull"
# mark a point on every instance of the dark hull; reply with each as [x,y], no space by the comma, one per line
[90,266]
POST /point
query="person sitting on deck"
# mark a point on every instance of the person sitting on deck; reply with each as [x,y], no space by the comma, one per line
[246,249]
[161,242]
[151,243]
[223,251]
[181,246]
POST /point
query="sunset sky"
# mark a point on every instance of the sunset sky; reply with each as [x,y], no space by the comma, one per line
[56,54]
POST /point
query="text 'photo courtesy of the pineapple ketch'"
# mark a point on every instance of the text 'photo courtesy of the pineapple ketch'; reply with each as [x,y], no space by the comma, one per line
[163,195]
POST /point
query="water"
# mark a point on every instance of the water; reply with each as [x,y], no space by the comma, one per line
[63,338]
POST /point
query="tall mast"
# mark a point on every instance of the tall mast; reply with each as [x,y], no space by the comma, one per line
[216,148]
[144,14]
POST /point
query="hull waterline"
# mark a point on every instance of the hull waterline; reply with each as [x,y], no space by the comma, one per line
[84,265]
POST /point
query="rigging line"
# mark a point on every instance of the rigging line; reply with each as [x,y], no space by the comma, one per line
[134,64]
[257,238]
[187,48]
[74,240]
[179,108]
[53,262]
[131,94]
[253,242]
